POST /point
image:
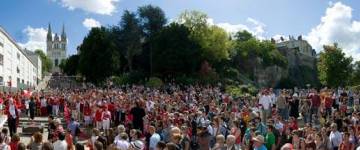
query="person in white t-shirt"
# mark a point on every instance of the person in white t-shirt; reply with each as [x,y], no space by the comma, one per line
[60,144]
[122,143]
[106,117]
[335,137]
[154,139]
[149,105]
[265,105]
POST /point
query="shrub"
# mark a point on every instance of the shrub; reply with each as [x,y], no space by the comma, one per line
[211,78]
[121,80]
[241,90]
[154,82]
[186,80]
[136,77]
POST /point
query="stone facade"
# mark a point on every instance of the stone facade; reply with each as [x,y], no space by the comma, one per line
[18,69]
[56,48]
[301,68]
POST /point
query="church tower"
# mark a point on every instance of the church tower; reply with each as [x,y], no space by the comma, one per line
[56,48]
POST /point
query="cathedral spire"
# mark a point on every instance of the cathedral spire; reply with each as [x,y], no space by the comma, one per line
[63,34]
[49,34]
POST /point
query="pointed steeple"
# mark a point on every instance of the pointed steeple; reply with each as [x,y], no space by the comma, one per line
[63,34]
[49,34]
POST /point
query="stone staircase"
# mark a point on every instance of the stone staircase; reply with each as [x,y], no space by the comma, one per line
[28,127]
[63,82]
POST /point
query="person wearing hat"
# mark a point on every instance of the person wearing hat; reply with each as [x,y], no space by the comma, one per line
[259,143]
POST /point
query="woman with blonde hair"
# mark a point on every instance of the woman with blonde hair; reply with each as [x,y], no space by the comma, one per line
[220,143]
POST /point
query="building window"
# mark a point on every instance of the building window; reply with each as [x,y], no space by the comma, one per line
[18,56]
[17,70]
[1,59]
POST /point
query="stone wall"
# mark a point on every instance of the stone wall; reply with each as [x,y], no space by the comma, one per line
[269,76]
[301,70]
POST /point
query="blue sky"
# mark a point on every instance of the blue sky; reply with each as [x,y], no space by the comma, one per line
[319,21]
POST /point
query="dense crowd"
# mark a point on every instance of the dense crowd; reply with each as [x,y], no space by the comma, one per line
[178,117]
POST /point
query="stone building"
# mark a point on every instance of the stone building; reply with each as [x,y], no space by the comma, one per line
[297,45]
[301,69]
[56,48]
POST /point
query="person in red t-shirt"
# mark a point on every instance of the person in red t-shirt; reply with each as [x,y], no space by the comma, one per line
[111,108]
[315,104]
[98,119]
[293,125]
[14,142]
[328,105]
[87,114]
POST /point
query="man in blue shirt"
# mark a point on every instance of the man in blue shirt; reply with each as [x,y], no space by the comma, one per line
[73,126]
[259,143]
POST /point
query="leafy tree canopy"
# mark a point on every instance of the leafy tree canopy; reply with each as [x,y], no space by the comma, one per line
[334,67]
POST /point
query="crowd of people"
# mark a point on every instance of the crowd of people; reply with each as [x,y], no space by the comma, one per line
[195,117]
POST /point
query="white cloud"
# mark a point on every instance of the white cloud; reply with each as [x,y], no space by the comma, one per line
[102,7]
[277,37]
[91,23]
[255,27]
[36,38]
[337,25]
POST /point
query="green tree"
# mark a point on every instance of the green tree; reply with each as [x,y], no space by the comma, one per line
[194,20]
[334,67]
[62,64]
[130,37]
[250,52]
[175,53]
[356,74]
[243,35]
[70,65]
[152,20]
[46,63]
[98,57]
[214,41]
[217,45]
